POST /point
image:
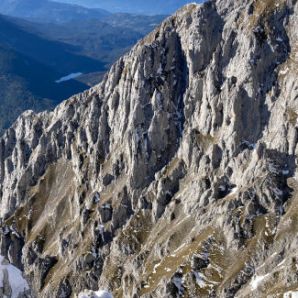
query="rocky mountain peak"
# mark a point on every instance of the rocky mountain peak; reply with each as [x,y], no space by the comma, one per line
[173,177]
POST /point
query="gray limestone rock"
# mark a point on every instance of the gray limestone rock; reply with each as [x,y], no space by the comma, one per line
[191,140]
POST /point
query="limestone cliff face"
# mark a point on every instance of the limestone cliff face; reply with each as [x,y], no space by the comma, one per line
[176,176]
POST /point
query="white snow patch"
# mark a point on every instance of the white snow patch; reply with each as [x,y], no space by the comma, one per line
[251,146]
[101,229]
[16,280]
[257,280]
[277,191]
[291,294]
[98,294]
[281,263]
[222,187]
[177,281]
[285,172]
[69,77]
[106,206]
[96,198]
[181,246]
[155,267]
[284,71]
[234,190]
[199,279]
[159,71]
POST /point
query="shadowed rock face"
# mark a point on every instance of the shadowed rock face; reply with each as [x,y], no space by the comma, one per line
[176,175]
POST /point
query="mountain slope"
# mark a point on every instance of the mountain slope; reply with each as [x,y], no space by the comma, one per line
[48,11]
[176,176]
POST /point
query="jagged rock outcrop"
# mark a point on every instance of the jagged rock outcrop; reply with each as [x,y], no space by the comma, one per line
[176,176]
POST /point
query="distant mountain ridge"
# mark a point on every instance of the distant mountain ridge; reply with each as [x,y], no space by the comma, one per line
[27,84]
[34,56]
[54,54]
[29,67]
[103,40]
[134,6]
[48,11]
